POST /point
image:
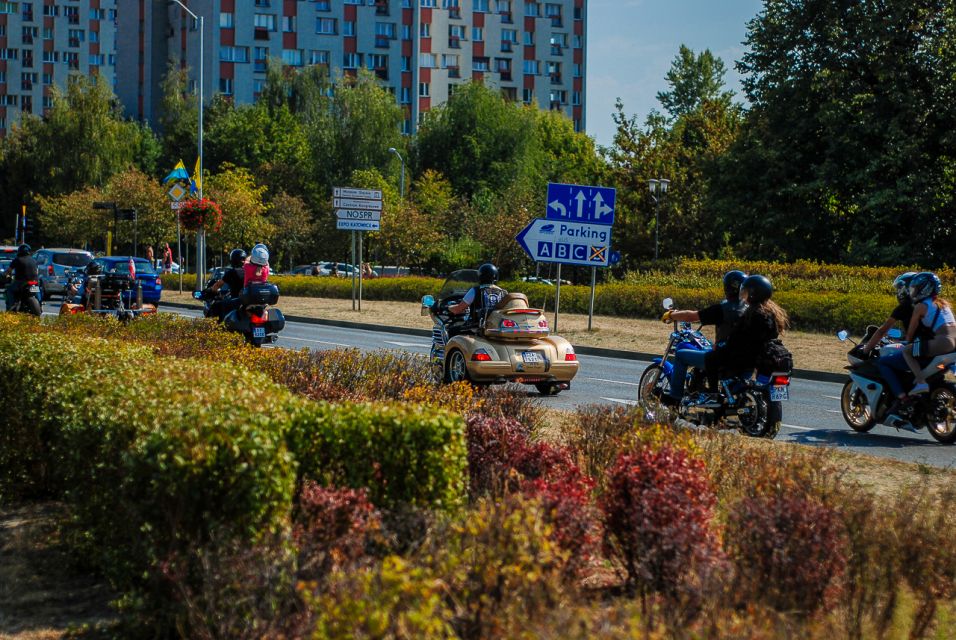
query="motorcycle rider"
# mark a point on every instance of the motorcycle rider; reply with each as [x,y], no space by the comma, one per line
[892,361]
[234,278]
[723,315]
[22,269]
[481,298]
[83,290]
[762,321]
[902,313]
[933,326]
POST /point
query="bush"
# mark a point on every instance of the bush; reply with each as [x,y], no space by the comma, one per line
[788,551]
[491,446]
[597,434]
[331,528]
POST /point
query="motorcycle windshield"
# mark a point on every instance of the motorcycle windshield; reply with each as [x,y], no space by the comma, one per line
[458,283]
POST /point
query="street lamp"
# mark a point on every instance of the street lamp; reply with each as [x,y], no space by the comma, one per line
[402,186]
[658,188]
[201,235]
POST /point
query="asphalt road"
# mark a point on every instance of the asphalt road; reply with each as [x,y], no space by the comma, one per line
[811,416]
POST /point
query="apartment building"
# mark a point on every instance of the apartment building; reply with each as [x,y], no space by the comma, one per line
[44,43]
[534,51]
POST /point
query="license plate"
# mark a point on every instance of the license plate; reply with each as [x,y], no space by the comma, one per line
[779,393]
[531,357]
[258,332]
[34,289]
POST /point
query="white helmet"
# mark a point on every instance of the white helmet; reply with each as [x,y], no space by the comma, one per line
[260,255]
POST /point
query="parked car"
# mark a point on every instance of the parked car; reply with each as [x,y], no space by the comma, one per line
[303,270]
[54,264]
[145,273]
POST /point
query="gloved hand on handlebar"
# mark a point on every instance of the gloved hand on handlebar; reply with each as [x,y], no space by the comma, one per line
[666,318]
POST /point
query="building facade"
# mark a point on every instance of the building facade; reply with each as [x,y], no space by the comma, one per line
[44,43]
[532,51]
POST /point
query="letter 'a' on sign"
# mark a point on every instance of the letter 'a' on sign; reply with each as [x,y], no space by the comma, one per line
[571,243]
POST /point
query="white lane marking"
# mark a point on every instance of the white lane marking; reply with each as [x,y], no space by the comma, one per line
[630,384]
[831,411]
[426,345]
[621,401]
[334,344]
[793,426]
[833,397]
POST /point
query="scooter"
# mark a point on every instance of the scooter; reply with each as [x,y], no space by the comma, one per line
[27,298]
[256,318]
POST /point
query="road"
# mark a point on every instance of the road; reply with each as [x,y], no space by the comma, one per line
[811,416]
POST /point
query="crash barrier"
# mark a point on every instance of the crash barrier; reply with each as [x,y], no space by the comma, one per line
[151,465]
[810,309]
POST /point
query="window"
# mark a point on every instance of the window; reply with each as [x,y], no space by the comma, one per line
[265,21]
[428,3]
[385,30]
[479,64]
[8,100]
[576,70]
[28,34]
[406,32]
[257,86]
[427,60]
[578,42]
[46,78]
[234,54]
[348,28]
[553,11]
[47,33]
[292,57]
[579,13]
[529,38]
[323,5]
[72,14]
[352,61]
[377,61]
[559,39]
[531,67]
[288,24]
[27,80]
[227,20]
[509,35]
[406,63]
[406,95]
[527,96]
[423,88]
[449,60]
[8,7]
[576,98]
[94,36]
[480,6]
[51,56]
[531,9]
[559,97]
[27,10]
[425,30]
[320,57]
[97,59]
[477,34]
[406,126]
[77,34]
[9,54]
[225,86]
[325,26]
[50,10]
[97,14]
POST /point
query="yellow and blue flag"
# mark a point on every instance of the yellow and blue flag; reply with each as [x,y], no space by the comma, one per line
[195,183]
[178,173]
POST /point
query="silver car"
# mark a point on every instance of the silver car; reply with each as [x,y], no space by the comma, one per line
[55,263]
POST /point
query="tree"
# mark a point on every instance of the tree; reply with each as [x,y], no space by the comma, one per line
[243,211]
[694,80]
[70,219]
[178,118]
[294,228]
[155,221]
[848,147]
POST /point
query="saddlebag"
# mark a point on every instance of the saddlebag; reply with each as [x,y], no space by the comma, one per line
[775,358]
[259,293]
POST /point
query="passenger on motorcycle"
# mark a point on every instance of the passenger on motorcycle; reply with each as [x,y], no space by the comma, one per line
[234,278]
[22,269]
[932,329]
[257,269]
[723,315]
[762,321]
[482,298]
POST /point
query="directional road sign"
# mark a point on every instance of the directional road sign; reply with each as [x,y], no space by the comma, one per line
[576,203]
[576,243]
[351,203]
[357,214]
[363,194]
[358,225]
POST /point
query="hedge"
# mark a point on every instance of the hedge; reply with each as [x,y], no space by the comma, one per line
[155,464]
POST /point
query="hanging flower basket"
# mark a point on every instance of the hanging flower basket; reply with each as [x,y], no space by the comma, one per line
[199,214]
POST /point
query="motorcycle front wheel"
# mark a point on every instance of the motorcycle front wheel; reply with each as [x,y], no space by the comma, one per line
[752,415]
[653,384]
[941,416]
[856,409]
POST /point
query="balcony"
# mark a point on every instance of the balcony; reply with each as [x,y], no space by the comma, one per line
[506,17]
[74,19]
[454,42]
[381,8]
[27,38]
[556,21]
[556,50]
[260,34]
[505,75]
[28,16]
[455,13]
[26,86]
[260,66]
[381,74]
[73,42]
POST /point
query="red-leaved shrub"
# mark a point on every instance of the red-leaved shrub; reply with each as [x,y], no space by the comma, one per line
[491,446]
[788,551]
[658,520]
[331,528]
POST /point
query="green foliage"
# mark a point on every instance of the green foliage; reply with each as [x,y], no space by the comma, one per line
[694,80]
[244,222]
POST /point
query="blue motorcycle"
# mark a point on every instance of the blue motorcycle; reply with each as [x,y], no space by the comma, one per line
[751,404]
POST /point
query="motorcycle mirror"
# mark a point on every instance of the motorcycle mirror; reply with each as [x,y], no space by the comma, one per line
[668,303]
[894,334]
[843,335]
[428,301]
[197,295]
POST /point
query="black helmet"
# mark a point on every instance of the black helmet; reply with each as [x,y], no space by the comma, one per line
[902,285]
[487,274]
[732,280]
[237,257]
[94,269]
[758,289]
[24,250]
[924,285]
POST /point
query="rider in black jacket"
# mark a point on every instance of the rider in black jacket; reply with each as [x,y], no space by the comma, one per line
[22,269]
[232,278]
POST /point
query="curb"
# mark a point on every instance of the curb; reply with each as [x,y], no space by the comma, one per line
[803,374]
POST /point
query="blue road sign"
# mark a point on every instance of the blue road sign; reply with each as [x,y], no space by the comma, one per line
[615,257]
[577,243]
[576,203]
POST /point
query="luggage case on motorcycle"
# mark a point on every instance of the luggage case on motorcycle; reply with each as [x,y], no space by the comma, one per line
[259,293]
[513,319]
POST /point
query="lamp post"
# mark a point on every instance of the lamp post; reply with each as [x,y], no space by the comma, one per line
[401,187]
[658,188]
[201,234]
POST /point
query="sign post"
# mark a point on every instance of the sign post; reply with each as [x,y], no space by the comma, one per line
[576,230]
[357,210]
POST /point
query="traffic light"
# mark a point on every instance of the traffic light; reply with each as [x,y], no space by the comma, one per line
[27,227]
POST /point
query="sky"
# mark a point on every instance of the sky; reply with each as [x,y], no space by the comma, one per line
[632,43]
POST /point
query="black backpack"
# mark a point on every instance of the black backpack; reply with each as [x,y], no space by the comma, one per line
[775,358]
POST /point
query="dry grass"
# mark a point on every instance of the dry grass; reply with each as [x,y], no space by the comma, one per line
[819,352]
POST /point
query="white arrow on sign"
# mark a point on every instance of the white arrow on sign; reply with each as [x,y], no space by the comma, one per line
[358,225]
[580,198]
[348,192]
[579,243]
[357,214]
[351,203]
[560,208]
[601,209]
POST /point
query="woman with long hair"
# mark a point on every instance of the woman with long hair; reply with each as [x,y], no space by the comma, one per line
[932,329]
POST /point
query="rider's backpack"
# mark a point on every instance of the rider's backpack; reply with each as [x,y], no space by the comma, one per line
[775,358]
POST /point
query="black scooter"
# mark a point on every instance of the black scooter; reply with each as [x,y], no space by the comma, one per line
[255,318]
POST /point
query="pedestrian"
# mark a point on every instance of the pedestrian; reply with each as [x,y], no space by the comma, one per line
[367,270]
[167,259]
[150,256]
